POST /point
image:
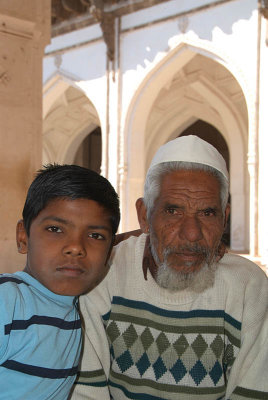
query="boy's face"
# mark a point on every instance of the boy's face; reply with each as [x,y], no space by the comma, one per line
[68,246]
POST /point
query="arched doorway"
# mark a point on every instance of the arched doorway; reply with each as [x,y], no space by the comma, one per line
[71,129]
[89,152]
[211,135]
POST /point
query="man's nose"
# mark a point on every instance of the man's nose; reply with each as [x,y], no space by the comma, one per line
[75,247]
[190,229]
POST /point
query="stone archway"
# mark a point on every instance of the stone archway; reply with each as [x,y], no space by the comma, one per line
[70,118]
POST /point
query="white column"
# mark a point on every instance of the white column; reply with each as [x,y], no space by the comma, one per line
[113,114]
[263,147]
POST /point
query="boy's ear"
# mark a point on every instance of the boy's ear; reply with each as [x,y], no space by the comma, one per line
[142,215]
[21,238]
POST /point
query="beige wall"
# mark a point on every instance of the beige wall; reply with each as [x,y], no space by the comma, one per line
[24,32]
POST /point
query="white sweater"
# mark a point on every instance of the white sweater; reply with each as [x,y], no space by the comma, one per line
[143,342]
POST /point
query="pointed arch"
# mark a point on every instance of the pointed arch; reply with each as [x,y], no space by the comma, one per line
[69,116]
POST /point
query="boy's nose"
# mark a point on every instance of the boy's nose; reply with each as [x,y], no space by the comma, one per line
[75,248]
[190,229]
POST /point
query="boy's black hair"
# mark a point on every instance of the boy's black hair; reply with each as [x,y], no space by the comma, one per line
[70,182]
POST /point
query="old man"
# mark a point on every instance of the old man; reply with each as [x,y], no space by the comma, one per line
[185,326]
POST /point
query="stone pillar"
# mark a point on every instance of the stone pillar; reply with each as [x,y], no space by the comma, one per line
[263,145]
[24,32]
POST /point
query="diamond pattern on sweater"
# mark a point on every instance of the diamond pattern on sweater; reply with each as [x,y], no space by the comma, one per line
[180,345]
[119,343]
[189,358]
[125,361]
[143,364]
[167,356]
[162,343]
[147,338]
[199,346]
[216,372]
[198,372]
[152,353]
[130,336]
[178,370]
[159,368]
[137,350]
[113,331]
[217,346]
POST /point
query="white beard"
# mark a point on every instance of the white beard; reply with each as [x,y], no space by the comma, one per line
[173,280]
[196,281]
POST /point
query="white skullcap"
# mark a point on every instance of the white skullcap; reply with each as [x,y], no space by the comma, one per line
[190,149]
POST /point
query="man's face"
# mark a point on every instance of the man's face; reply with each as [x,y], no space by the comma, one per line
[187,222]
[68,245]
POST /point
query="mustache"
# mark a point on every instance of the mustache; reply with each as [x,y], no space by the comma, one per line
[187,248]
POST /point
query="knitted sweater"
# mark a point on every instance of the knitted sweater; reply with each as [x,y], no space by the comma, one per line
[40,340]
[143,342]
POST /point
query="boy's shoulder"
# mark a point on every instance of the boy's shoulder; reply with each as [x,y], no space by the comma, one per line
[11,285]
[16,278]
[11,296]
[12,280]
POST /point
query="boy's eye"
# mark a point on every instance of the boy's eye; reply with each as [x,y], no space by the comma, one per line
[96,236]
[54,229]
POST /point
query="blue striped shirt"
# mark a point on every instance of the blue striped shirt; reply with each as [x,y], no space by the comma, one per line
[40,340]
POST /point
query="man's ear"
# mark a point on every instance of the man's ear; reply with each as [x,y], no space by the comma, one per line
[142,215]
[227,213]
[21,238]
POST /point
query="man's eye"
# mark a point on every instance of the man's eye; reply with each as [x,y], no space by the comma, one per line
[96,236]
[173,211]
[210,212]
[54,229]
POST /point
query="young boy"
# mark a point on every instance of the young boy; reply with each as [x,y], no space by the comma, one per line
[70,218]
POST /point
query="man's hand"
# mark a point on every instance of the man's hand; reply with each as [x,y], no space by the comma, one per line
[126,235]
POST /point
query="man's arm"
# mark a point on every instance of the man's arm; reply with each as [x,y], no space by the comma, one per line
[125,235]
[252,364]
[248,376]
[91,382]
